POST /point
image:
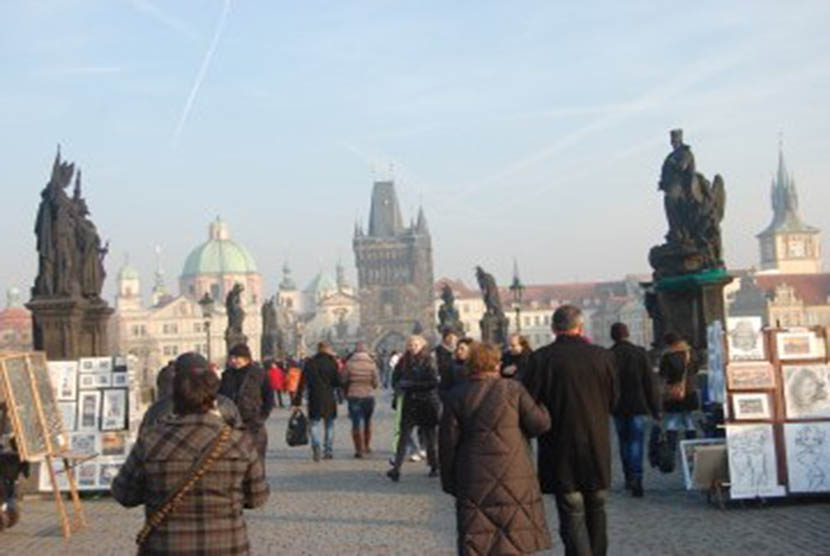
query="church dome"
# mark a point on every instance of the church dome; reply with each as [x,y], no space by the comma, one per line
[128,272]
[219,255]
[321,285]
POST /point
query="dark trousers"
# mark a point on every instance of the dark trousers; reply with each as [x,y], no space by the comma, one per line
[582,522]
[426,435]
[630,432]
[260,438]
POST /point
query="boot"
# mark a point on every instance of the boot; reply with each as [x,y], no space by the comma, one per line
[690,434]
[637,488]
[357,439]
[629,481]
[367,439]
[315,453]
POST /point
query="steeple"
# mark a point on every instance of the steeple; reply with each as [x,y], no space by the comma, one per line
[421,225]
[159,292]
[515,270]
[784,197]
[385,214]
[287,283]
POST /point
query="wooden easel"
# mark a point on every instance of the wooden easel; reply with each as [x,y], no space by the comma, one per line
[51,451]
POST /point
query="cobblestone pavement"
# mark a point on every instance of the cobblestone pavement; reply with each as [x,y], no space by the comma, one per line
[347,506]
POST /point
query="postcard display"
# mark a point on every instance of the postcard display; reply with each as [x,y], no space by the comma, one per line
[777,411]
[95,398]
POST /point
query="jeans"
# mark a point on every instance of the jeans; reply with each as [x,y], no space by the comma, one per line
[361,410]
[679,420]
[630,431]
[582,522]
[315,433]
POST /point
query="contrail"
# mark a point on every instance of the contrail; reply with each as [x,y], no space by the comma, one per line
[220,27]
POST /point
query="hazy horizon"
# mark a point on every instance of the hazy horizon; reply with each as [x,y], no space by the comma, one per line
[533,131]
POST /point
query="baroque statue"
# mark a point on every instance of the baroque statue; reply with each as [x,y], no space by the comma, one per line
[270,330]
[70,255]
[694,210]
[493,323]
[236,315]
[448,316]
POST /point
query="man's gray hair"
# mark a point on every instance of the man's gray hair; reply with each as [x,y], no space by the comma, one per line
[566,318]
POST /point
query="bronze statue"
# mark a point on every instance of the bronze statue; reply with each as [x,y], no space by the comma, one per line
[490,292]
[694,210]
[448,314]
[236,314]
[270,332]
[91,261]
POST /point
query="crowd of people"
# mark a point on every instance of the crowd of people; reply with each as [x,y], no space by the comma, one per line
[468,407]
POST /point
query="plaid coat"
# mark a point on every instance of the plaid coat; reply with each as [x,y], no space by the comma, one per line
[209,518]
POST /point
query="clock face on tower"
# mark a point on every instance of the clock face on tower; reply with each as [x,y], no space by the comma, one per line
[795,248]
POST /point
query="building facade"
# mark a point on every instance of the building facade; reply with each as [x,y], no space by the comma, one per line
[15,324]
[394,273]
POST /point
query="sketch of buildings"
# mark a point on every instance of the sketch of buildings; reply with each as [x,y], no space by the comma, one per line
[752,464]
[806,391]
[808,456]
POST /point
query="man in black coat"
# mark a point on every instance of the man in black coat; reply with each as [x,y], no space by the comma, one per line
[246,384]
[638,399]
[445,360]
[321,378]
[576,382]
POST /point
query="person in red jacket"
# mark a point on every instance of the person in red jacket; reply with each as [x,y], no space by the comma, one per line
[276,378]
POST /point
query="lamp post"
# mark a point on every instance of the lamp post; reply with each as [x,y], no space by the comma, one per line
[206,303]
[517,289]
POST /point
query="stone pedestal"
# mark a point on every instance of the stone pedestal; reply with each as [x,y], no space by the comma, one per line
[69,328]
[269,346]
[686,305]
[494,328]
[232,339]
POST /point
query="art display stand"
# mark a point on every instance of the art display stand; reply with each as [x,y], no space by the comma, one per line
[38,428]
[777,414]
[494,329]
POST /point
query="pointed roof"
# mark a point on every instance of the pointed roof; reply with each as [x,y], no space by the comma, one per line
[421,224]
[785,217]
[385,213]
[287,283]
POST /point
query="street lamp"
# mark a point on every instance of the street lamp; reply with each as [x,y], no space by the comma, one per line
[517,289]
[206,303]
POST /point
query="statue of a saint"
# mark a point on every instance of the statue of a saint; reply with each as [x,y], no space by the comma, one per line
[448,317]
[91,260]
[490,292]
[236,314]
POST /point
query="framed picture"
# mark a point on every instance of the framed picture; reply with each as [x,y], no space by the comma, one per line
[753,471]
[103,380]
[745,338]
[798,345]
[64,376]
[114,444]
[758,375]
[89,403]
[86,381]
[806,391]
[808,456]
[84,443]
[114,410]
[688,450]
[120,380]
[69,413]
[87,475]
[106,474]
[119,364]
[749,406]
[45,483]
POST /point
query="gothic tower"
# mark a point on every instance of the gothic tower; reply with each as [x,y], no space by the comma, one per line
[788,245]
[394,269]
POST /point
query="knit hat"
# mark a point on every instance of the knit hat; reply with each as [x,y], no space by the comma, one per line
[240,350]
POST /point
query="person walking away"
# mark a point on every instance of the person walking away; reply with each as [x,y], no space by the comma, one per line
[486,464]
[444,355]
[678,370]
[246,384]
[418,382]
[576,382]
[360,378]
[207,519]
[638,399]
[292,378]
[515,358]
[320,378]
[276,378]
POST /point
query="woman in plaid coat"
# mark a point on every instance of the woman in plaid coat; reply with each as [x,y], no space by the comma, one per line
[209,518]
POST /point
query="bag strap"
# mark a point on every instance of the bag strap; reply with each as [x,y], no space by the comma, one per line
[174,498]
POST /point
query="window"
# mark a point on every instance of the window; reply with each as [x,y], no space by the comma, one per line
[197,327]
[465,308]
[537,321]
[547,320]
[170,328]
[170,350]
[527,321]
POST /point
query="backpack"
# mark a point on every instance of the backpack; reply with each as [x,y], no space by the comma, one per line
[297,432]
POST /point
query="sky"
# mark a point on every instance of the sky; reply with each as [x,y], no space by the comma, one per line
[533,130]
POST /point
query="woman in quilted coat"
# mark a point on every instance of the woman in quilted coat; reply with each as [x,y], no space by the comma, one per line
[486,464]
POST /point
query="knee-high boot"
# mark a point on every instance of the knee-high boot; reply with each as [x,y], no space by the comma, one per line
[357,439]
[367,438]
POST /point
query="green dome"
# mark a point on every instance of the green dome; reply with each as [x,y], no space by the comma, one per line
[219,255]
[128,273]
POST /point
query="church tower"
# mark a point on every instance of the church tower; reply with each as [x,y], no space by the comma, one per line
[128,297]
[394,270]
[788,245]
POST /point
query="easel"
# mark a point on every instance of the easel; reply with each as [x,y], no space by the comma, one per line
[51,451]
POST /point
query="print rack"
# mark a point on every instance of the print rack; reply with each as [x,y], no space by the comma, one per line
[776,411]
[27,398]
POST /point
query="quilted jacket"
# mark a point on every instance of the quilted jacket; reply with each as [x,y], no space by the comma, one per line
[486,464]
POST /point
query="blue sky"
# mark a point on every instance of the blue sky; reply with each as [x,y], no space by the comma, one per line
[533,130]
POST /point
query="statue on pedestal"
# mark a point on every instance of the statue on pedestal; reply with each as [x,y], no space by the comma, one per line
[270,329]
[493,323]
[694,210]
[236,315]
[448,316]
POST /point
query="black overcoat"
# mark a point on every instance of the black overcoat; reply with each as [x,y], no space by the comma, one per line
[639,390]
[576,381]
[320,378]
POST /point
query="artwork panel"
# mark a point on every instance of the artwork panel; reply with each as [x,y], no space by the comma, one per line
[688,448]
[87,476]
[745,338]
[751,454]
[103,380]
[750,376]
[45,482]
[69,414]
[84,443]
[798,345]
[120,380]
[64,375]
[87,382]
[89,403]
[806,391]
[751,406]
[106,474]
[114,444]
[808,456]
[114,410]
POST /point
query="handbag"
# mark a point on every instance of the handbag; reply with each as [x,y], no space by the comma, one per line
[660,451]
[174,498]
[297,432]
